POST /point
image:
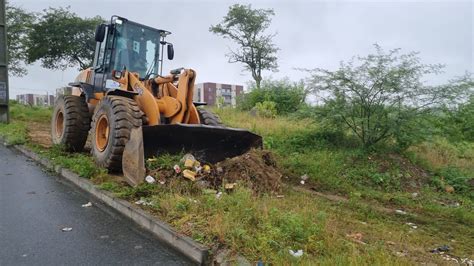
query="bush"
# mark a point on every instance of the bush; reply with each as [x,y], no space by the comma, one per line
[266,109]
[288,96]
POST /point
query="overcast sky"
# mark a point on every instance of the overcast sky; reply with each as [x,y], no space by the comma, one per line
[310,34]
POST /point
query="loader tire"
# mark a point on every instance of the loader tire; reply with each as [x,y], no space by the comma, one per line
[208,118]
[70,122]
[113,119]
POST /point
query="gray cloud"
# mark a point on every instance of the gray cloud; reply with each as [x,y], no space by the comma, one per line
[310,34]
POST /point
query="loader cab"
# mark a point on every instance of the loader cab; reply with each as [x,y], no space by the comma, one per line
[124,44]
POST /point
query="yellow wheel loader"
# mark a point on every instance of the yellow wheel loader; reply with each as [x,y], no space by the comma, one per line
[133,113]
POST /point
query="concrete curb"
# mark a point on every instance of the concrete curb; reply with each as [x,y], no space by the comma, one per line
[195,251]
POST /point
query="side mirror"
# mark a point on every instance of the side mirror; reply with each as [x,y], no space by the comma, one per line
[170,51]
[100,33]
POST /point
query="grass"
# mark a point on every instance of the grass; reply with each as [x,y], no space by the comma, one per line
[265,227]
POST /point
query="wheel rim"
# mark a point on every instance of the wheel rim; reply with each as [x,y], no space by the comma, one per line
[59,128]
[102,133]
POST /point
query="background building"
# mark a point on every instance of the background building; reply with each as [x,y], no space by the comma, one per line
[217,94]
[35,99]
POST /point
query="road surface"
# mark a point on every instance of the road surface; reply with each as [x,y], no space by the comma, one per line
[34,208]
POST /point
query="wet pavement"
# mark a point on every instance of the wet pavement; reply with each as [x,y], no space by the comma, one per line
[34,208]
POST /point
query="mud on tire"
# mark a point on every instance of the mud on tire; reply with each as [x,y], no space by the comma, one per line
[208,118]
[70,122]
[113,119]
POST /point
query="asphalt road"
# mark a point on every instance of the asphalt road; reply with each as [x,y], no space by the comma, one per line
[34,208]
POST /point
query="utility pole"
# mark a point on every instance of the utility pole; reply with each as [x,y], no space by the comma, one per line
[4,115]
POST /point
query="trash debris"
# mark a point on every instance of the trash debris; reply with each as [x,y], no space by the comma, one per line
[143,202]
[219,170]
[304,177]
[104,236]
[24,255]
[280,196]
[414,195]
[412,225]
[189,163]
[89,204]
[177,169]
[449,189]
[150,179]
[198,168]
[66,229]
[302,182]
[150,160]
[401,254]
[230,186]
[219,195]
[162,181]
[187,156]
[401,212]
[391,243]
[467,261]
[356,237]
[138,247]
[443,248]
[189,175]
[206,169]
[296,254]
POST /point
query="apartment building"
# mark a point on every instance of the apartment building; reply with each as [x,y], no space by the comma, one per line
[35,99]
[217,93]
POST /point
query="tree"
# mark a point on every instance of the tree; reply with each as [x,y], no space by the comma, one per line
[380,96]
[246,26]
[19,23]
[62,39]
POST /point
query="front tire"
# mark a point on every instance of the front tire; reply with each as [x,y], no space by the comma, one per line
[70,122]
[113,119]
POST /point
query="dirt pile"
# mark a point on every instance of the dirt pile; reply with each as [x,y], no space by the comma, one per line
[255,169]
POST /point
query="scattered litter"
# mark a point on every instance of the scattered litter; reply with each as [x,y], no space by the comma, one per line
[230,186]
[455,205]
[356,237]
[467,261]
[296,254]
[391,243]
[177,169]
[198,168]
[66,229]
[189,163]
[219,195]
[89,204]
[138,247]
[187,156]
[414,195]
[302,182]
[104,236]
[401,212]
[449,258]
[24,255]
[143,202]
[304,177]
[443,248]
[449,189]
[189,175]
[364,223]
[150,160]
[150,179]
[206,168]
[219,170]
[412,225]
[162,181]
[280,196]
[401,254]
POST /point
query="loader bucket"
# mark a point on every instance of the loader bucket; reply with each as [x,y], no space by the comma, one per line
[207,144]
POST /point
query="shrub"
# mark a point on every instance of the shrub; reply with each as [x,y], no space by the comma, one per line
[266,109]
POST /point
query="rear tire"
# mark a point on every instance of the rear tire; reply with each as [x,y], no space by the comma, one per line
[208,118]
[113,119]
[70,122]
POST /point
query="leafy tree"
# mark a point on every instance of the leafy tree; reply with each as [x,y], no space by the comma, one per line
[62,39]
[19,23]
[246,27]
[288,96]
[381,95]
